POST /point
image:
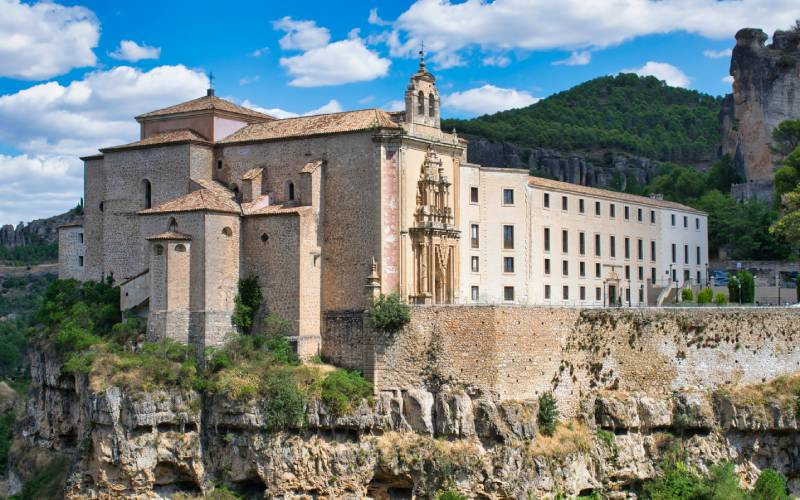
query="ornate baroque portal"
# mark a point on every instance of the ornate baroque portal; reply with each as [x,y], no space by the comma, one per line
[434,237]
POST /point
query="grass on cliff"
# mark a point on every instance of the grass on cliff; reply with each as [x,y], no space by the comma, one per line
[783,391]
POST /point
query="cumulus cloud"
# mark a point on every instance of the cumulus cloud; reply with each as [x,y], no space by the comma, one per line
[375,19]
[336,63]
[577,58]
[663,71]
[45,39]
[574,25]
[395,105]
[331,106]
[488,99]
[717,54]
[32,187]
[259,52]
[496,60]
[301,35]
[728,79]
[129,50]
[247,80]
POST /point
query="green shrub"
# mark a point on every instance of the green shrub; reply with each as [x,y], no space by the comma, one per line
[720,299]
[721,482]
[342,389]
[705,296]
[771,485]
[284,402]
[742,287]
[677,480]
[548,414]
[246,303]
[388,313]
[46,483]
[6,434]
[449,494]
[687,295]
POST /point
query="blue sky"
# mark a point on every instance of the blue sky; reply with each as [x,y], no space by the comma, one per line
[73,74]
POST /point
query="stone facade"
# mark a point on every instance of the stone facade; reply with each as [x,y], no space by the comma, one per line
[71,252]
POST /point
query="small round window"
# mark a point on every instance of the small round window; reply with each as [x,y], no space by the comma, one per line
[264,237]
[227,231]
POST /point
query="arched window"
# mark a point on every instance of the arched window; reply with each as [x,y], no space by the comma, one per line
[172,225]
[421,103]
[180,248]
[290,191]
[148,193]
[227,231]
[264,237]
[158,250]
[431,105]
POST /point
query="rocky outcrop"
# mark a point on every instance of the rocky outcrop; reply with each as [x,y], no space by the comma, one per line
[154,444]
[614,170]
[766,91]
[38,231]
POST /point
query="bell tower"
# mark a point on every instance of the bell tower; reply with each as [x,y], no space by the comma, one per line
[422,98]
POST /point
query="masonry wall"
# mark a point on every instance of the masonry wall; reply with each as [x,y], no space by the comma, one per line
[93,194]
[518,352]
[71,253]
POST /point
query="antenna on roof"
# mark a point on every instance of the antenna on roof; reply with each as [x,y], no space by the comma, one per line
[210,91]
[422,54]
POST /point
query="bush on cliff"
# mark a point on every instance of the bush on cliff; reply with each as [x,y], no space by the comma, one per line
[547,416]
[246,303]
[340,389]
[770,485]
[388,313]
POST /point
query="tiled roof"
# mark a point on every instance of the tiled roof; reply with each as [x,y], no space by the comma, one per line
[334,123]
[202,199]
[77,223]
[170,235]
[168,137]
[205,103]
[261,206]
[252,173]
[543,183]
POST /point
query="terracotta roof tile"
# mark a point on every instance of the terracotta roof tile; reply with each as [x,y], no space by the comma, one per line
[168,137]
[252,173]
[334,123]
[170,235]
[261,206]
[200,200]
[205,103]
[541,182]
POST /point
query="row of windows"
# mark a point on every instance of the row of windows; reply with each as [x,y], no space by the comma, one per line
[598,211]
[698,259]
[508,293]
[421,104]
[508,237]
[612,242]
[686,222]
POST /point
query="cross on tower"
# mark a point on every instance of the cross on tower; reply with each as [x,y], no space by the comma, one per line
[211,79]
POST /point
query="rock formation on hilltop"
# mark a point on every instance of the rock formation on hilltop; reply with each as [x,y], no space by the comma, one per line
[37,231]
[766,91]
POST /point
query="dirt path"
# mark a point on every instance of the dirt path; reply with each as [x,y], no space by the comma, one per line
[24,270]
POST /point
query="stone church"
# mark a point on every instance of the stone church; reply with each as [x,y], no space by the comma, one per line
[329,211]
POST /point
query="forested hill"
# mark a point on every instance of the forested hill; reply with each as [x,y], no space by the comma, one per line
[629,113]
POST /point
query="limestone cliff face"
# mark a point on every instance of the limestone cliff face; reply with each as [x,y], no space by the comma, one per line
[568,167]
[37,231]
[156,444]
[766,91]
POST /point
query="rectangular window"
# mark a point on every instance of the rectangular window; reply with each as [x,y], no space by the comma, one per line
[473,236]
[546,200]
[583,293]
[582,269]
[698,256]
[80,237]
[696,223]
[674,252]
[641,294]
[474,263]
[641,273]
[598,294]
[612,210]
[473,196]
[627,212]
[653,275]
[597,208]
[698,277]
[672,218]
[640,249]
[547,292]
[653,250]
[508,293]
[652,216]
[597,270]
[627,272]
[627,248]
[628,295]
[685,221]
[547,239]
[565,292]
[685,254]
[564,203]
[508,237]
[508,264]
[508,197]
[564,268]
[639,214]
[546,266]
[564,241]
[475,294]
[582,243]
[612,246]
[80,260]
[597,245]
[581,208]
[686,275]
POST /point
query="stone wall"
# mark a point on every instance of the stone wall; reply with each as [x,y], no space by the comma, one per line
[520,352]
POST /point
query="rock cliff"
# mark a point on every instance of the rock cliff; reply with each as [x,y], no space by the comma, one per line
[766,91]
[156,444]
[614,170]
[37,231]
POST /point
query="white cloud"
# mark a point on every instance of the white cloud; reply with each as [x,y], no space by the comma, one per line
[395,105]
[301,35]
[33,187]
[728,79]
[366,99]
[45,39]
[577,58]
[331,106]
[259,52]
[717,54]
[488,99]
[336,63]
[129,50]
[663,71]
[375,19]
[449,27]
[247,80]
[496,60]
